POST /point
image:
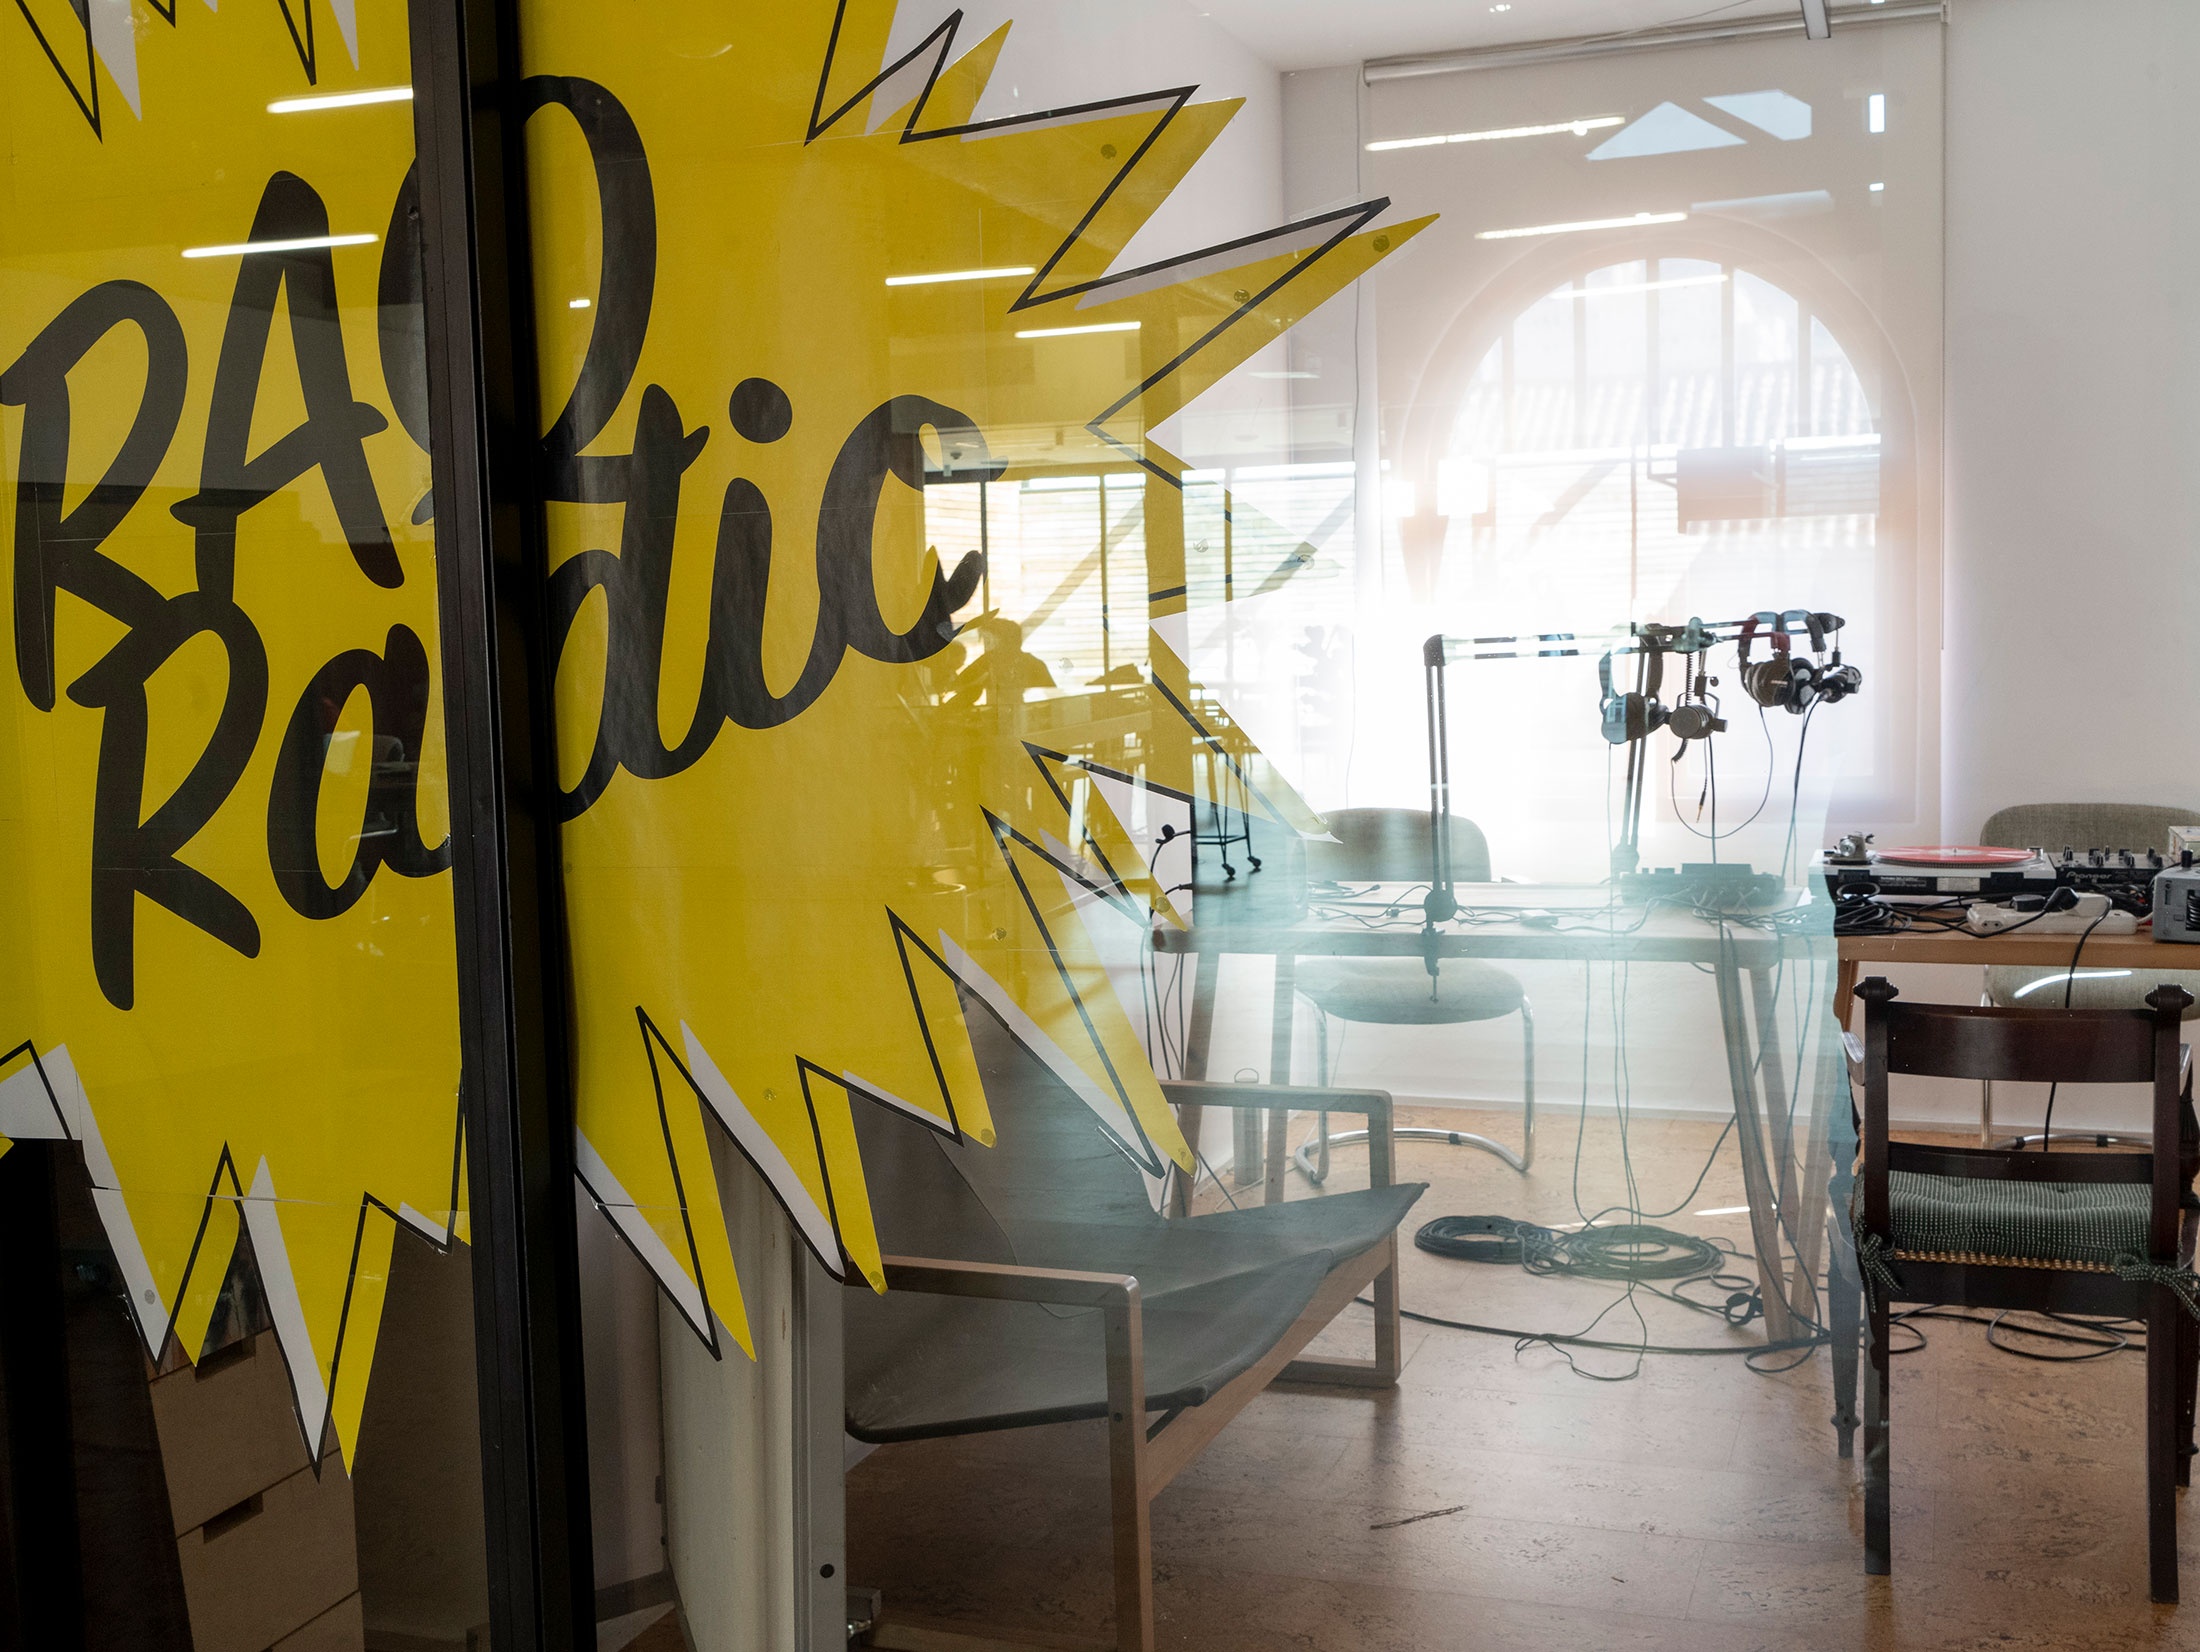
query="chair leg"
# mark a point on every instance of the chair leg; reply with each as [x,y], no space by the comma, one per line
[1986,1112]
[2188,1369]
[1527,1071]
[1129,1504]
[2163,1312]
[1844,1304]
[1878,1505]
[1312,1157]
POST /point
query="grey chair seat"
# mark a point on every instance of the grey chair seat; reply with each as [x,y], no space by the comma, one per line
[1396,991]
[2007,984]
[1216,1293]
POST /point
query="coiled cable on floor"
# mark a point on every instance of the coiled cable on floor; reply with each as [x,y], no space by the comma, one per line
[1620,1251]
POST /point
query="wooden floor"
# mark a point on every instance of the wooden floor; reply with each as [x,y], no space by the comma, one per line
[1699,1507]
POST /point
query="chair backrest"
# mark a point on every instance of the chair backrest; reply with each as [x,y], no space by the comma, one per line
[2052,826]
[1392,846]
[2043,1045]
[1050,1164]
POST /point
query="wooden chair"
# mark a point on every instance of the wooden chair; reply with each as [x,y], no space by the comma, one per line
[2068,1232]
[1034,1283]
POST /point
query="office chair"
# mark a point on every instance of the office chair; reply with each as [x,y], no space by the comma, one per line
[1392,846]
[2011,986]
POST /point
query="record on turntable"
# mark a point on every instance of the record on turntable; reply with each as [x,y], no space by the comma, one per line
[1953,857]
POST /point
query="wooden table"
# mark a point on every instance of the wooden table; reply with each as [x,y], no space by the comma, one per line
[2025,948]
[1269,919]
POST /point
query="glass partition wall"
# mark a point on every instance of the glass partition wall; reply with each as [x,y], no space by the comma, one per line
[1144,661]
[236,1316]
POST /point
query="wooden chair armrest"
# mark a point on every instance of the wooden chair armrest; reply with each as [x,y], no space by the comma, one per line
[1004,1282]
[1304,1098]
[1382,1163]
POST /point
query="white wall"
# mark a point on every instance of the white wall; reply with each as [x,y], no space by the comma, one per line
[2073,425]
[1064,53]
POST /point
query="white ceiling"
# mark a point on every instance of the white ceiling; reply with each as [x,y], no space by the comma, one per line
[1309,34]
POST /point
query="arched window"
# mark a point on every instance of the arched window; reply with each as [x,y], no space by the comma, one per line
[1648,439]
[1657,438]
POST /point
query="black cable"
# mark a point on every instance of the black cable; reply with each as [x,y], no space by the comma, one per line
[2070,983]
[1712,784]
[2117,1335]
[1795,793]
[1527,1339]
[1626,1250]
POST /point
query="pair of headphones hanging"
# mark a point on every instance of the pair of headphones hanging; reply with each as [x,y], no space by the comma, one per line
[1695,715]
[1788,680]
[1633,714]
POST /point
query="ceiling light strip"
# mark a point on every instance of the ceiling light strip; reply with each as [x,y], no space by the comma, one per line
[1637,221]
[305,243]
[1075,332]
[1580,128]
[340,100]
[960,275]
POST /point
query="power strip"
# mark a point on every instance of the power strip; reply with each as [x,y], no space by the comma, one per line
[2091,912]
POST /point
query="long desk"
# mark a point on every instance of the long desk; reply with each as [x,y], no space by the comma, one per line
[1257,920]
[2140,953]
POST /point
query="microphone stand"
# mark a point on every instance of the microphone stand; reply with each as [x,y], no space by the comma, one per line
[1441,904]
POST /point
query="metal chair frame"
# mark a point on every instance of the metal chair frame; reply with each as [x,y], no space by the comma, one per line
[1312,1158]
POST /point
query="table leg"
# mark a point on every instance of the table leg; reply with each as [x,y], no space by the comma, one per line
[1779,1111]
[1206,967]
[1829,1102]
[1764,1223]
[1281,1027]
[1844,993]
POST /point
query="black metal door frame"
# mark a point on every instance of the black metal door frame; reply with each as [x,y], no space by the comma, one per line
[513,974]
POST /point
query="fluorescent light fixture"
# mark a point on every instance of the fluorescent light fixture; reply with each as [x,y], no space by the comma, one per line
[302,244]
[1875,112]
[1586,223]
[1648,286]
[1817,25]
[1505,5]
[937,277]
[340,100]
[576,304]
[1723,1210]
[1878,188]
[1074,332]
[1580,128]
[2074,975]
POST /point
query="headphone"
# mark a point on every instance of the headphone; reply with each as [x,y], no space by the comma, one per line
[1630,716]
[1835,680]
[1695,716]
[1786,679]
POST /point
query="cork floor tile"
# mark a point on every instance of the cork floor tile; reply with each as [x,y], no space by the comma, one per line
[1698,1508]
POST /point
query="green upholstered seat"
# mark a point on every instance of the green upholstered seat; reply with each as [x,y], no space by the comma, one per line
[2086,1224]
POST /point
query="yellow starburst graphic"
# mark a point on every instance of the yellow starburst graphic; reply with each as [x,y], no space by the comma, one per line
[783,294]
[808,820]
[228,972]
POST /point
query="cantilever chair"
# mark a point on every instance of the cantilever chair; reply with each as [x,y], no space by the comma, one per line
[1392,846]
[2052,826]
[1036,1283]
[2069,1232]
